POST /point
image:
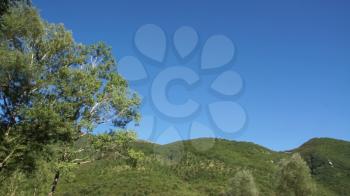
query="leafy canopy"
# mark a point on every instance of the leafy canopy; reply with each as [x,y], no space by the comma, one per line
[52,89]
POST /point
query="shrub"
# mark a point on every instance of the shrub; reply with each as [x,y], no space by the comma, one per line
[243,184]
[294,178]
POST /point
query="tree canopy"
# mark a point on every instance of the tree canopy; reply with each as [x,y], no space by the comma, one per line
[52,89]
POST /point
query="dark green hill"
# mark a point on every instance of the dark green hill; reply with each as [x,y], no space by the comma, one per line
[204,167]
[329,162]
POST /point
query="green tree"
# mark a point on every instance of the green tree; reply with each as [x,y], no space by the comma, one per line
[5,4]
[294,178]
[116,144]
[243,184]
[53,91]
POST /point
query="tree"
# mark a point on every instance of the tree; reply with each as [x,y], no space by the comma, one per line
[295,178]
[243,184]
[118,144]
[5,4]
[53,91]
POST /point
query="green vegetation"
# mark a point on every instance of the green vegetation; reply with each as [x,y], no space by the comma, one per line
[294,177]
[180,169]
[329,162]
[243,184]
[54,92]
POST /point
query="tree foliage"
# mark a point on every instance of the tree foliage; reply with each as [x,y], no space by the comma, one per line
[295,178]
[53,90]
[117,145]
[6,4]
[243,184]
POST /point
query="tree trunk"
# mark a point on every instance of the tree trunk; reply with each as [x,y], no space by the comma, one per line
[54,183]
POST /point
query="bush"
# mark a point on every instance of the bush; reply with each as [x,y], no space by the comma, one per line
[243,184]
[294,178]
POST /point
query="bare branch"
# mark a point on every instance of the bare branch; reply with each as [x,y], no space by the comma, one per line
[94,107]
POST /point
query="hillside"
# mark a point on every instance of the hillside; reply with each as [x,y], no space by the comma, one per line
[329,162]
[184,168]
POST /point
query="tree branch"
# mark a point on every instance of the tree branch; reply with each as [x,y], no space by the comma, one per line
[3,163]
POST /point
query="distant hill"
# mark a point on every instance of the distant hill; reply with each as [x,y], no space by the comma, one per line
[329,162]
[193,168]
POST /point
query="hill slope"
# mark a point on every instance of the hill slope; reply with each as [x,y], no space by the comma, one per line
[192,168]
[329,162]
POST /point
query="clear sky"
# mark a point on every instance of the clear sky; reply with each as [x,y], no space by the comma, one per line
[293,58]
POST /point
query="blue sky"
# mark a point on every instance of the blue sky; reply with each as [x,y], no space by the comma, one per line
[293,58]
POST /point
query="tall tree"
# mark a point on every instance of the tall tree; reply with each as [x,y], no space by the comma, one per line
[53,90]
[295,178]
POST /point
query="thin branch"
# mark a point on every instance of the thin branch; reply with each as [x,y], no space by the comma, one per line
[104,99]
[42,58]
[84,162]
[34,89]
[80,150]
[3,163]
[31,62]
[94,107]
[75,160]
